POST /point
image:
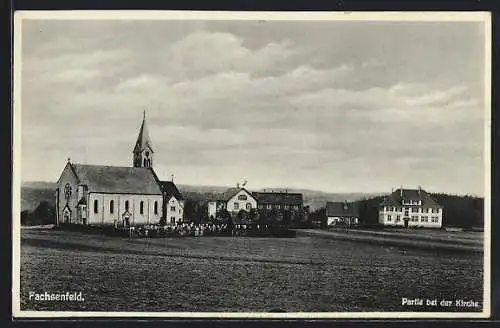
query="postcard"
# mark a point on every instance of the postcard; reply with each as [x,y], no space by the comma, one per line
[251,164]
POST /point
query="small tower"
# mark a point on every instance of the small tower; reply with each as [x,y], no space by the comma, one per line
[143,150]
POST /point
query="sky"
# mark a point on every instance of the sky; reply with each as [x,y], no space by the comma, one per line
[336,106]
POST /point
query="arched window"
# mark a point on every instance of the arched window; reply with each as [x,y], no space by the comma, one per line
[111,206]
[145,163]
[141,207]
[96,206]
[249,206]
[126,205]
[156,207]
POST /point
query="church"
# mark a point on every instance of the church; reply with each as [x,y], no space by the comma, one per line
[120,196]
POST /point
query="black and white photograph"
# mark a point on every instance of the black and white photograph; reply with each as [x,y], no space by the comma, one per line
[251,164]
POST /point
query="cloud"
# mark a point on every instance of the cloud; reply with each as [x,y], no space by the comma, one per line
[279,105]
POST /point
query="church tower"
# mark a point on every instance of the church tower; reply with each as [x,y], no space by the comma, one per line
[143,150]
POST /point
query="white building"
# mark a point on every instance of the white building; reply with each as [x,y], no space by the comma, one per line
[410,208]
[174,203]
[112,195]
[342,213]
[233,200]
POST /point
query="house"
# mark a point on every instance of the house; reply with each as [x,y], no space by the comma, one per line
[173,203]
[113,195]
[410,208]
[233,200]
[342,213]
[282,207]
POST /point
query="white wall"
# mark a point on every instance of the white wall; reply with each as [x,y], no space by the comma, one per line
[212,209]
[103,215]
[385,213]
[175,211]
[241,203]
[67,177]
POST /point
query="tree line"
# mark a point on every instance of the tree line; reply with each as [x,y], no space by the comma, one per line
[458,211]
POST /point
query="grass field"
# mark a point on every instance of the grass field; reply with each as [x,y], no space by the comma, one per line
[239,274]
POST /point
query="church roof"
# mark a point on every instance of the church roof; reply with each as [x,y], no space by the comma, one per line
[143,139]
[115,179]
[171,189]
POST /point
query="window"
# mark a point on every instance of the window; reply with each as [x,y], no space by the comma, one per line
[389,218]
[141,207]
[172,208]
[424,219]
[414,210]
[242,197]
[126,205]
[269,206]
[398,218]
[277,206]
[156,207]
[414,218]
[286,207]
[111,206]
[428,210]
[249,206]
[96,206]
[236,206]
[172,219]
[145,163]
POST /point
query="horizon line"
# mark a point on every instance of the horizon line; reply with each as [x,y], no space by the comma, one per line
[282,189]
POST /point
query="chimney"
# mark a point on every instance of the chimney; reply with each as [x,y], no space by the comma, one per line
[238,185]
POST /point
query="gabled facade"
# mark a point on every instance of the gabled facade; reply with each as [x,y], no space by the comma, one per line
[108,195]
[173,203]
[342,213]
[120,196]
[410,208]
[233,200]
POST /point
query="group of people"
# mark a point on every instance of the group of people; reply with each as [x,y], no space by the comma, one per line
[194,230]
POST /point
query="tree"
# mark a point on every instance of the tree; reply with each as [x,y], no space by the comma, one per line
[45,213]
[253,215]
[242,216]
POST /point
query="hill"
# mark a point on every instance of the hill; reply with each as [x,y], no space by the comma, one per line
[33,192]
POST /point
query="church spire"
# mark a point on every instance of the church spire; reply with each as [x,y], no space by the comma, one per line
[143,150]
[143,139]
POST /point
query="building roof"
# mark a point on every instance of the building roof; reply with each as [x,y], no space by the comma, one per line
[115,179]
[396,198]
[278,198]
[170,189]
[341,209]
[231,192]
[143,139]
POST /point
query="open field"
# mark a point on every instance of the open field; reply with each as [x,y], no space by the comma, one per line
[239,274]
[416,238]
